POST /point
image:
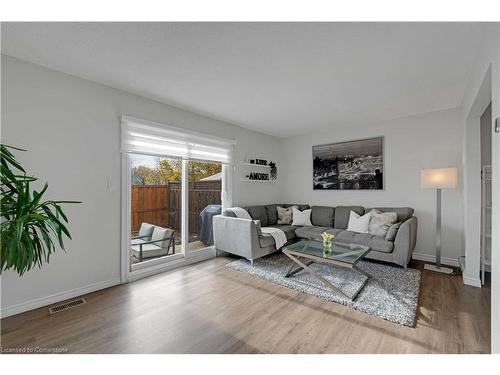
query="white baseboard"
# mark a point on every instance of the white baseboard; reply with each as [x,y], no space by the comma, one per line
[432,259]
[58,297]
[472,281]
[449,262]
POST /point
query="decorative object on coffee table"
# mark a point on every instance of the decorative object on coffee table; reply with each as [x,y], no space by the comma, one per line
[327,241]
[439,178]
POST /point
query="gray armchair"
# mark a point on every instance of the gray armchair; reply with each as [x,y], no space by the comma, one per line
[152,242]
[241,237]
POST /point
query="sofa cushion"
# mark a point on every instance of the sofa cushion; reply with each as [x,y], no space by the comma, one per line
[266,240]
[315,232]
[272,213]
[392,231]
[403,213]
[322,216]
[146,230]
[342,213]
[258,213]
[310,232]
[301,207]
[381,244]
[288,229]
[229,213]
[375,243]
[164,234]
[138,241]
[334,231]
[353,237]
[148,251]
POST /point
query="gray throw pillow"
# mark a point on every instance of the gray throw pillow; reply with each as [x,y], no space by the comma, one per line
[392,231]
[380,222]
[146,230]
[160,233]
[285,215]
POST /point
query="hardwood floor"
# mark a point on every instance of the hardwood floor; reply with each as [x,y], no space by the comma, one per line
[207,308]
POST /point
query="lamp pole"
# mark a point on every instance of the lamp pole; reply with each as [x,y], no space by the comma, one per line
[437,266]
[438,228]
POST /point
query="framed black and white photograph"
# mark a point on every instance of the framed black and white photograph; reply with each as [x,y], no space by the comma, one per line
[352,165]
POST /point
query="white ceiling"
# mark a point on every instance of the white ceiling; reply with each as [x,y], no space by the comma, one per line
[282,79]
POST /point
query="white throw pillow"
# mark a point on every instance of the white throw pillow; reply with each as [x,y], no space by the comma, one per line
[358,223]
[301,217]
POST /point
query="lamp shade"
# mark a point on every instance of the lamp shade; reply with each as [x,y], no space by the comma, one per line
[439,178]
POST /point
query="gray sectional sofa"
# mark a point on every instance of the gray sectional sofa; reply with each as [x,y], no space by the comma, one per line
[244,237]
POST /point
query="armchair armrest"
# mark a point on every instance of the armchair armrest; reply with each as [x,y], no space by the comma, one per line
[139,237]
[404,244]
[160,240]
[236,236]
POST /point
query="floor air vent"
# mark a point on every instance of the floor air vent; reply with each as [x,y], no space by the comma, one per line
[66,305]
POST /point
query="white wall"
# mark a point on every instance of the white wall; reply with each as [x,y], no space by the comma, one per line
[411,144]
[70,128]
[487,66]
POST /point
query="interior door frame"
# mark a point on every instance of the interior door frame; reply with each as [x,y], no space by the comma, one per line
[472,182]
[126,188]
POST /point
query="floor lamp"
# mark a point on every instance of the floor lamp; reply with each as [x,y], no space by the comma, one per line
[439,178]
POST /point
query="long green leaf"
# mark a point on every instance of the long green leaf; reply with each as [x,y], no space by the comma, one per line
[28,224]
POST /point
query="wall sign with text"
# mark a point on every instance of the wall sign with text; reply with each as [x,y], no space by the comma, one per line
[259,169]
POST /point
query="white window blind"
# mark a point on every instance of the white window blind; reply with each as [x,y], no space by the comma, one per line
[145,137]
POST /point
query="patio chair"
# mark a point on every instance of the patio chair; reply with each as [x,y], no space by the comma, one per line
[145,233]
[162,239]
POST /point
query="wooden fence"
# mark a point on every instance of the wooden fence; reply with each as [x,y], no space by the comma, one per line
[161,204]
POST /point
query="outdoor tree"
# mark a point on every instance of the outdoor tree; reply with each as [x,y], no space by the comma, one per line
[200,169]
[170,170]
[143,175]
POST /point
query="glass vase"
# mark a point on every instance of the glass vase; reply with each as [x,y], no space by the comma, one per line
[327,247]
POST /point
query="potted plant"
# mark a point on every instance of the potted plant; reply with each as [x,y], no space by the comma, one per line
[29,225]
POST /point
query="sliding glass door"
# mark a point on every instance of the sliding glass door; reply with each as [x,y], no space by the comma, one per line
[155,207]
[160,209]
[175,182]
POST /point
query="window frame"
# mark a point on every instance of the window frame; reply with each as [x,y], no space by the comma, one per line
[186,256]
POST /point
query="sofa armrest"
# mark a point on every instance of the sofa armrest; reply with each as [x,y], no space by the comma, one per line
[404,244]
[236,236]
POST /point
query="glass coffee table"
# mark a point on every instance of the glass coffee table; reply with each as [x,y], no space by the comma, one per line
[306,252]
